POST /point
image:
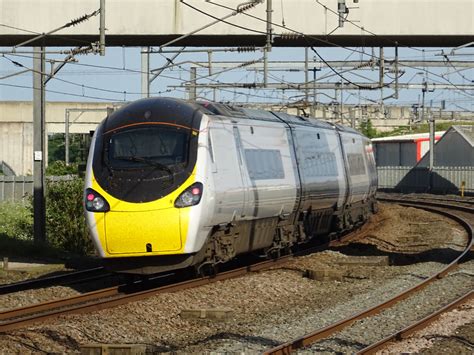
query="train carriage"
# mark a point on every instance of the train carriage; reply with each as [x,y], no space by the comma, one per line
[171,183]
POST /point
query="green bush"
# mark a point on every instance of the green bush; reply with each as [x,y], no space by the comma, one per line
[59,167]
[65,222]
[16,220]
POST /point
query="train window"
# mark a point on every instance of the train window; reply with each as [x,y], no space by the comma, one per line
[147,147]
[264,164]
[356,164]
[320,163]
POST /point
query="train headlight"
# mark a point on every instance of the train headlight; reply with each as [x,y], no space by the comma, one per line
[189,197]
[95,202]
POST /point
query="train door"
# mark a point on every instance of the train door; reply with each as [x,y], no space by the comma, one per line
[230,190]
[354,150]
[321,168]
[269,168]
[372,170]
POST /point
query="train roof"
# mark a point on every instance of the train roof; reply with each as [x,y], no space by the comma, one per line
[238,112]
[185,109]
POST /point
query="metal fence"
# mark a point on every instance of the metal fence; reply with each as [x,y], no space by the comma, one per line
[441,180]
[15,188]
[393,178]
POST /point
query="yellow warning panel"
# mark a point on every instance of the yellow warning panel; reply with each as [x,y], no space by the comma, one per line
[143,233]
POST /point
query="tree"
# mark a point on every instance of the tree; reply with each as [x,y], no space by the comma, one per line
[367,129]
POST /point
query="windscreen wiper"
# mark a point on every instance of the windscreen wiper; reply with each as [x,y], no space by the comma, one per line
[147,161]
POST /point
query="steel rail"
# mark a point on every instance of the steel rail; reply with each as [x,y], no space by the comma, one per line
[48,305]
[422,323]
[308,339]
[50,280]
[114,296]
[434,203]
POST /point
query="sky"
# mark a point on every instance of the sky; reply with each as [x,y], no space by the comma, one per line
[116,77]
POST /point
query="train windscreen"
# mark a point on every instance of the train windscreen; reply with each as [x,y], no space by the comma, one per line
[152,147]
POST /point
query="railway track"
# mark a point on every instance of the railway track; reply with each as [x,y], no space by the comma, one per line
[87,306]
[113,296]
[55,280]
[404,333]
[129,292]
[460,212]
[429,199]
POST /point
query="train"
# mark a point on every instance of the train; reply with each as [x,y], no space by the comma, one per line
[172,184]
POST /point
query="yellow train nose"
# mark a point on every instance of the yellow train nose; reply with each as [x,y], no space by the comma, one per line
[143,232]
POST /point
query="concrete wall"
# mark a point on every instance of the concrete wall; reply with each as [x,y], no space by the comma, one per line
[156,21]
[16,146]
[16,123]
[16,128]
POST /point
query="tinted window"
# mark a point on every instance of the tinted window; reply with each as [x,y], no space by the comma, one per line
[356,164]
[138,147]
[319,164]
[264,164]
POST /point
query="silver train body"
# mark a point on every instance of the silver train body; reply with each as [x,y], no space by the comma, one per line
[250,180]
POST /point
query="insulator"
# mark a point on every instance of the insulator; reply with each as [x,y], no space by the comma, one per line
[245,7]
[81,50]
[77,21]
[246,49]
[290,35]
[250,62]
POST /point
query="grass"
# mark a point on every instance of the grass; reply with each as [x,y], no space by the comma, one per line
[16,220]
[16,234]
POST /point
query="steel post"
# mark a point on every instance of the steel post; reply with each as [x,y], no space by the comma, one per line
[145,72]
[39,205]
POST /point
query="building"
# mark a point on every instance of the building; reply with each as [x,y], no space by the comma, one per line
[406,150]
[453,164]
[454,149]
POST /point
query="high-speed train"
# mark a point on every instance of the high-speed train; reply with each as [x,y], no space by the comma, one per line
[172,183]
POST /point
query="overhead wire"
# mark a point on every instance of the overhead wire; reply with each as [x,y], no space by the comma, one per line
[135,71]
[328,42]
[362,28]
[445,56]
[221,20]
[173,78]
[73,83]
[309,45]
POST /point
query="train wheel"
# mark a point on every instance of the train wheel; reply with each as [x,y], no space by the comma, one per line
[273,253]
[207,269]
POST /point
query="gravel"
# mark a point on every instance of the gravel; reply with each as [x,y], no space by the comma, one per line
[272,306]
[367,331]
[452,333]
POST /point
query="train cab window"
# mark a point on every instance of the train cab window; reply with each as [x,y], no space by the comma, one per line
[147,147]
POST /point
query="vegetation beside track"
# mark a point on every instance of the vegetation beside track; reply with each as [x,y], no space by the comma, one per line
[65,223]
